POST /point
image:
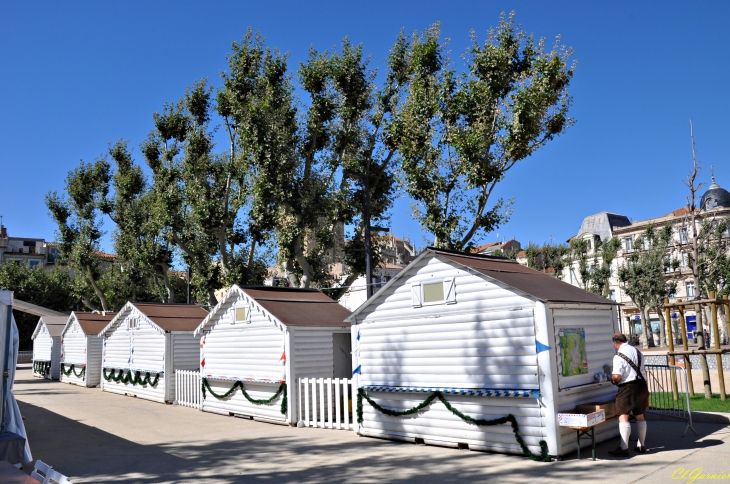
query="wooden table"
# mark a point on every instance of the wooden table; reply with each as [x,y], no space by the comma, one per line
[589,432]
[9,474]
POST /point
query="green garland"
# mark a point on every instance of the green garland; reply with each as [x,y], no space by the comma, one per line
[133,378]
[41,367]
[542,457]
[239,384]
[71,369]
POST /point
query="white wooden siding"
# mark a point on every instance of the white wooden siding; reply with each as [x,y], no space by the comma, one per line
[47,348]
[147,348]
[313,356]
[241,350]
[600,324]
[438,426]
[116,348]
[599,328]
[244,350]
[73,352]
[185,356]
[93,360]
[136,349]
[486,339]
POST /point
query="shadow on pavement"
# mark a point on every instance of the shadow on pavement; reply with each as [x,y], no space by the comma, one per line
[281,454]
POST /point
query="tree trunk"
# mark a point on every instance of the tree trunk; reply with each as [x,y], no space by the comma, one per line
[646,327]
[168,287]
[97,290]
[339,292]
[662,327]
[306,278]
[87,302]
[290,274]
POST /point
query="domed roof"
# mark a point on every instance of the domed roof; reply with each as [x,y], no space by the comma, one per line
[715,197]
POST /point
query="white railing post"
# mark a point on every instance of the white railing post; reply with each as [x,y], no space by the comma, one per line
[330,411]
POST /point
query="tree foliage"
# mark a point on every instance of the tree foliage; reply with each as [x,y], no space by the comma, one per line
[51,289]
[642,275]
[460,132]
[79,216]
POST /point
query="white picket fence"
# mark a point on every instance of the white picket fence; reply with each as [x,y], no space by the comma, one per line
[326,403]
[188,392]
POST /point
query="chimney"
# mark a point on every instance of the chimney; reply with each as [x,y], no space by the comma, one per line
[3,232]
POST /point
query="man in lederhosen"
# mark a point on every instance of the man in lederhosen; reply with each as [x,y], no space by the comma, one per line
[633,392]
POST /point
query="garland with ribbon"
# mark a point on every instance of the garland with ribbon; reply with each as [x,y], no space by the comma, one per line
[71,369]
[41,367]
[239,384]
[542,457]
[133,378]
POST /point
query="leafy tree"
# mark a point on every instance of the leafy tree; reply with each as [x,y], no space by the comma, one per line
[316,160]
[51,289]
[643,275]
[604,254]
[459,133]
[200,197]
[145,255]
[79,219]
[548,256]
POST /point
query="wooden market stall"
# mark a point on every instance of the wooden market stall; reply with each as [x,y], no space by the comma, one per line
[47,347]
[144,344]
[480,352]
[261,339]
[81,348]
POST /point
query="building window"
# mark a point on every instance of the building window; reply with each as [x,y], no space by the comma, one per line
[628,244]
[34,263]
[690,289]
[433,292]
[685,259]
[240,315]
[612,295]
[683,235]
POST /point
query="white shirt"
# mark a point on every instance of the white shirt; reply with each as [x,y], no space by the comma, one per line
[621,366]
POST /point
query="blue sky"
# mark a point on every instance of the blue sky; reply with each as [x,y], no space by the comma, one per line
[78,75]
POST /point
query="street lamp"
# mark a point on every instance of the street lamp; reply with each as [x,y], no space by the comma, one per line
[365,179]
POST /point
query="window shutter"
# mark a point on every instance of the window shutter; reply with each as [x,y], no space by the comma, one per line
[449,290]
[416,294]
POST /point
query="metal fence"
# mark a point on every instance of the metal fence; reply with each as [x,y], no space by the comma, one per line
[188,391]
[326,403]
[25,356]
[670,392]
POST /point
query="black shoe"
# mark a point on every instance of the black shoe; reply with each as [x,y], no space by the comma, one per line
[619,452]
[640,449]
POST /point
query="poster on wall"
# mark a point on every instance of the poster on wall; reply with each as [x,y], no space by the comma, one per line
[573,351]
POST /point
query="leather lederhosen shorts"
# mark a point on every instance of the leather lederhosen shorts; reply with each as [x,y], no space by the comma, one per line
[632,397]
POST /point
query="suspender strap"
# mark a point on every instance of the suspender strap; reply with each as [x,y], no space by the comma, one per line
[633,366]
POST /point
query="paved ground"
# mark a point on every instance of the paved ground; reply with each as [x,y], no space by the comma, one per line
[99,437]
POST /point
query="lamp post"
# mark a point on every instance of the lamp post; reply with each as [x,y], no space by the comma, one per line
[365,179]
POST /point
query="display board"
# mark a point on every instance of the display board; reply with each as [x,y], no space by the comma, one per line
[573,351]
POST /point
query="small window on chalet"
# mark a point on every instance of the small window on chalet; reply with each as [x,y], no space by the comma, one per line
[133,323]
[240,315]
[433,292]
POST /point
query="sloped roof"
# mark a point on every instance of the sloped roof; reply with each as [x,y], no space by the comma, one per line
[299,307]
[291,306]
[92,323]
[166,317]
[530,281]
[173,317]
[54,325]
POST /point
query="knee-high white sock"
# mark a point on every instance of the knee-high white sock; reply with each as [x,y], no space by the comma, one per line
[624,429]
[641,430]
